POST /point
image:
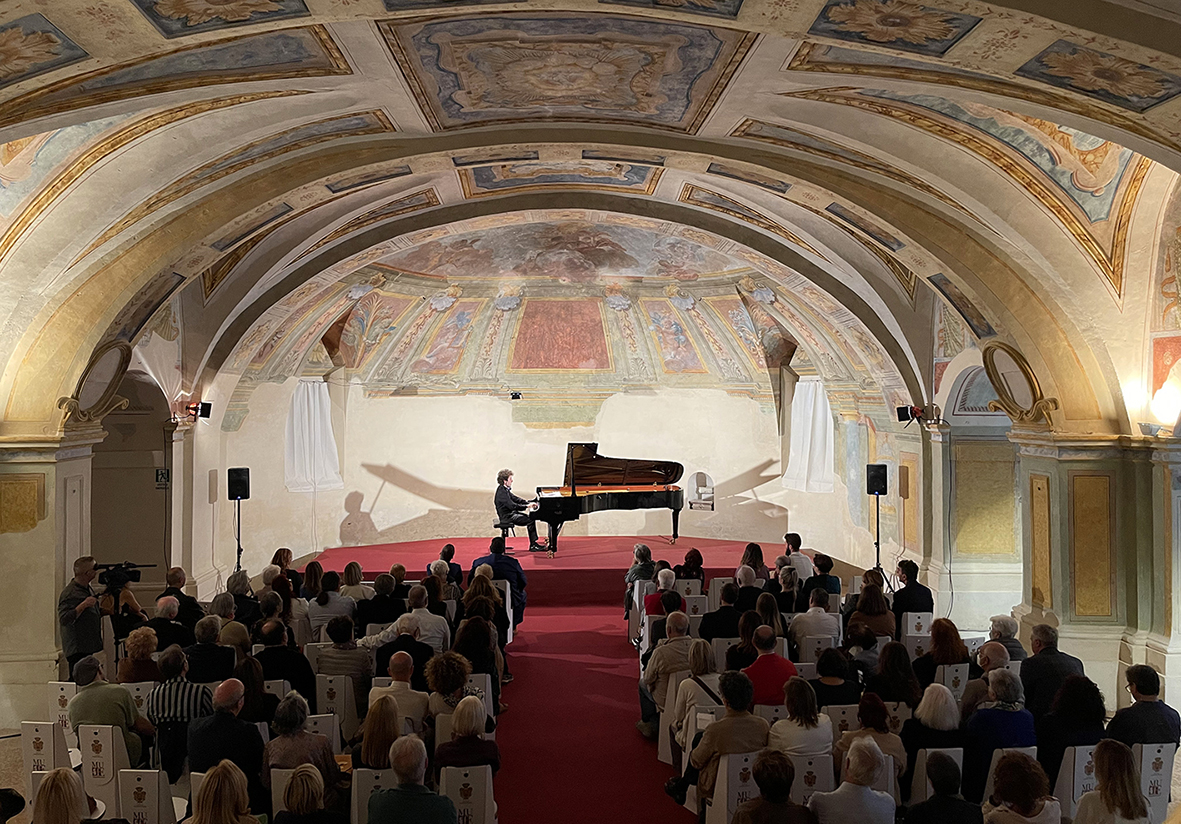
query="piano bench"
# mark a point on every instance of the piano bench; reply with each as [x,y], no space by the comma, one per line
[505,528]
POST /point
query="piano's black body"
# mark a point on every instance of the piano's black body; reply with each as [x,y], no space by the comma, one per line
[594,483]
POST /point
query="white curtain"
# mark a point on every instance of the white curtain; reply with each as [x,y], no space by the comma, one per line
[312,463]
[810,456]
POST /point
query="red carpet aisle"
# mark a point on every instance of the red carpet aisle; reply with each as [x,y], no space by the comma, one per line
[569,748]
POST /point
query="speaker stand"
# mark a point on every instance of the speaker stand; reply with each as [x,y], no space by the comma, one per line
[238,531]
[877,539]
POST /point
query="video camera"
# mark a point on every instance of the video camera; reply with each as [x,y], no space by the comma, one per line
[123,573]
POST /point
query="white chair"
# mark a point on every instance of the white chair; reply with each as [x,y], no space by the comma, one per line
[813,775]
[255,649]
[1156,775]
[312,653]
[689,588]
[279,781]
[772,712]
[664,749]
[974,643]
[898,712]
[442,729]
[327,726]
[696,605]
[302,628]
[843,717]
[211,686]
[702,716]
[855,585]
[470,789]
[365,783]
[506,593]
[646,632]
[1075,777]
[376,629]
[735,785]
[917,623]
[195,782]
[144,796]
[715,591]
[60,693]
[917,645]
[109,659]
[450,604]
[264,731]
[695,625]
[334,694]
[720,646]
[635,617]
[43,747]
[277,687]
[139,692]
[996,756]
[920,785]
[104,753]
[805,671]
[954,677]
[381,681]
[882,641]
[1014,667]
[814,645]
[483,681]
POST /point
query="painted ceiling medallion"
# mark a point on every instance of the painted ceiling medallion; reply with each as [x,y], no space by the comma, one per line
[174,18]
[32,45]
[1102,76]
[894,23]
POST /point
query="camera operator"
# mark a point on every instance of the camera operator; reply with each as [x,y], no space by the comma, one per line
[78,614]
[118,601]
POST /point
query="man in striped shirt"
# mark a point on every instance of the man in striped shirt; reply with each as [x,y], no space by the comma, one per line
[172,705]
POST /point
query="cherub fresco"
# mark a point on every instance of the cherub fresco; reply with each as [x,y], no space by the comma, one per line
[446,347]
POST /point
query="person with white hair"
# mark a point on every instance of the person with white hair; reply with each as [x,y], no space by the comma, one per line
[467,747]
[748,592]
[1003,629]
[935,726]
[991,656]
[855,799]
[666,581]
[448,590]
[411,800]
[269,573]
[671,655]
[1000,723]
[167,626]
[245,604]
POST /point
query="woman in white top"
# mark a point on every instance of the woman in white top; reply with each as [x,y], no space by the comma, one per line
[701,687]
[1117,798]
[806,731]
[353,588]
[329,603]
[1021,793]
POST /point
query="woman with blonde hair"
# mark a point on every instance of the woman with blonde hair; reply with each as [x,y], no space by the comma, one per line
[768,611]
[222,798]
[1116,798]
[383,725]
[935,726]
[138,666]
[304,799]
[60,799]
[352,586]
[467,747]
[701,687]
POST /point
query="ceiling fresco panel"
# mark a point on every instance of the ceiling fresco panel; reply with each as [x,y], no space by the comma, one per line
[511,68]
[893,24]
[728,9]
[975,319]
[771,184]
[601,175]
[31,45]
[561,335]
[678,352]
[176,18]
[717,202]
[446,346]
[1103,76]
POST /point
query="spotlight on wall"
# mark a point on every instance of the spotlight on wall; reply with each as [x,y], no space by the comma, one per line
[199,409]
[516,396]
[930,414]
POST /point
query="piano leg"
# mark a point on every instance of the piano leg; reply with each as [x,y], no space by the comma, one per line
[554,529]
[676,521]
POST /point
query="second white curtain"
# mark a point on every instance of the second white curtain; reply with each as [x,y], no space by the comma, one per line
[810,456]
[312,463]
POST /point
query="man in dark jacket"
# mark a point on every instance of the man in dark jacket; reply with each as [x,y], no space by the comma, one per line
[454,570]
[512,510]
[281,663]
[168,629]
[1043,672]
[401,637]
[504,568]
[209,661]
[189,612]
[223,735]
[1149,720]
[723,621]
[383,607]
[946,806]
[912,597]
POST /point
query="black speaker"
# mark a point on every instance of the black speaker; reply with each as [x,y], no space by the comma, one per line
[238,483]
[875,479]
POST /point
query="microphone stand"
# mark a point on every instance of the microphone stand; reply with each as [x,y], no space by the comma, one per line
[238,532]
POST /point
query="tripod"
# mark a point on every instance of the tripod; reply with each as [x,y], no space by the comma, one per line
[877,539]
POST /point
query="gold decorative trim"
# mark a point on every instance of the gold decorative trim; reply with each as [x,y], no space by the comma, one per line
[373,216]
[108,401]
[22,501]
[690,194]
[21,105]
[1040,408]
[907,279]
[116,141]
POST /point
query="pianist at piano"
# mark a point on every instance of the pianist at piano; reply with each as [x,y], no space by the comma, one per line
[511,509]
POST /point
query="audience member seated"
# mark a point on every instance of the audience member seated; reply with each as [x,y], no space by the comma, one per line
[665,582]
[823,579]
[946,806]
[875,725]
[304,799]
[693,569]
[225,735]
[991,656]
[873,611]
[723,621]
[138,665]
[270,607]
[61,800]
[788,584]
[861,645]
[454,570]
[868,577]
[797,560]
[382,727]
[738,731]
[449,589]
[447,676]
[748,591]
[911,597]
[411,702]
[817,620]
[259,705]
[171,706]
[670,602]
[189,610]
[475,641]
[410,802]
[894,679]
[769,615]
[834,684]
[401,637]
[344,657]
[383,607]
[1149,720]
[209,661]
[245,603]
[642,569]
[295,613]
[806,731]
[1021,793]
[999,723]
[774,774]
[269,573]
[351,586]
[1116,798]
[773,585]
[236,636]
[855,799]
[1003,629]
[701,687]
[12,804]
[435,604]
[433,630]
[505,568]
[670,655]
[752,557]
[328,604]
[224,797]
[224,607]
[482,587]
[934,726]
[98,702]
[770,671]
[946,649]
[283,559]
[167,626]
[281,663]
[401,588]
[467,747]
[743,654]
[293,745]
[1043,672]
[313,574]
[1075,719]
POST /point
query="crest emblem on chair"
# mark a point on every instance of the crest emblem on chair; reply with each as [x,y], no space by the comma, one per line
[695,609]
[1158,764]
[1089,769]
[139,795]
[918,625]
[809,779]
[955,682]
[62,701]
[843,726]
[895,723]
[919,652]
[96,747]
[139,702]
[465,792]
[38,744]
[331,694]
[744,775]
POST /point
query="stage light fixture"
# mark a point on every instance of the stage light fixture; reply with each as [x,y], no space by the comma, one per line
[199,409]
[516,396]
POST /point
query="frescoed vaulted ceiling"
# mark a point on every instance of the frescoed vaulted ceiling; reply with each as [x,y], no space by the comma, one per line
[410,190]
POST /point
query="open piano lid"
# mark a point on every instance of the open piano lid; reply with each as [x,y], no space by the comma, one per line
[586,467]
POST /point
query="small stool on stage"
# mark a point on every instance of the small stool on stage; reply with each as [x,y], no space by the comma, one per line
[505,528]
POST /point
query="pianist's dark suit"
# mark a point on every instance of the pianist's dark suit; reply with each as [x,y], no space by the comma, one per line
[511,510]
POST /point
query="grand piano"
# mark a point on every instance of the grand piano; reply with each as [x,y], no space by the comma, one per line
[594,483]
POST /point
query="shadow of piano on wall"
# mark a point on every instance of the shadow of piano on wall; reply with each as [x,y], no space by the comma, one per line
[734,502]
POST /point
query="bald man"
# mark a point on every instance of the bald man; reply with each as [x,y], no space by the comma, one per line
[223,735]
[993,655]
[189,612]
[411,703]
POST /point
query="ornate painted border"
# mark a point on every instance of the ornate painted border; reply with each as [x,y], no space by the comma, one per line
[689,195]
[471,191]
[903,274]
